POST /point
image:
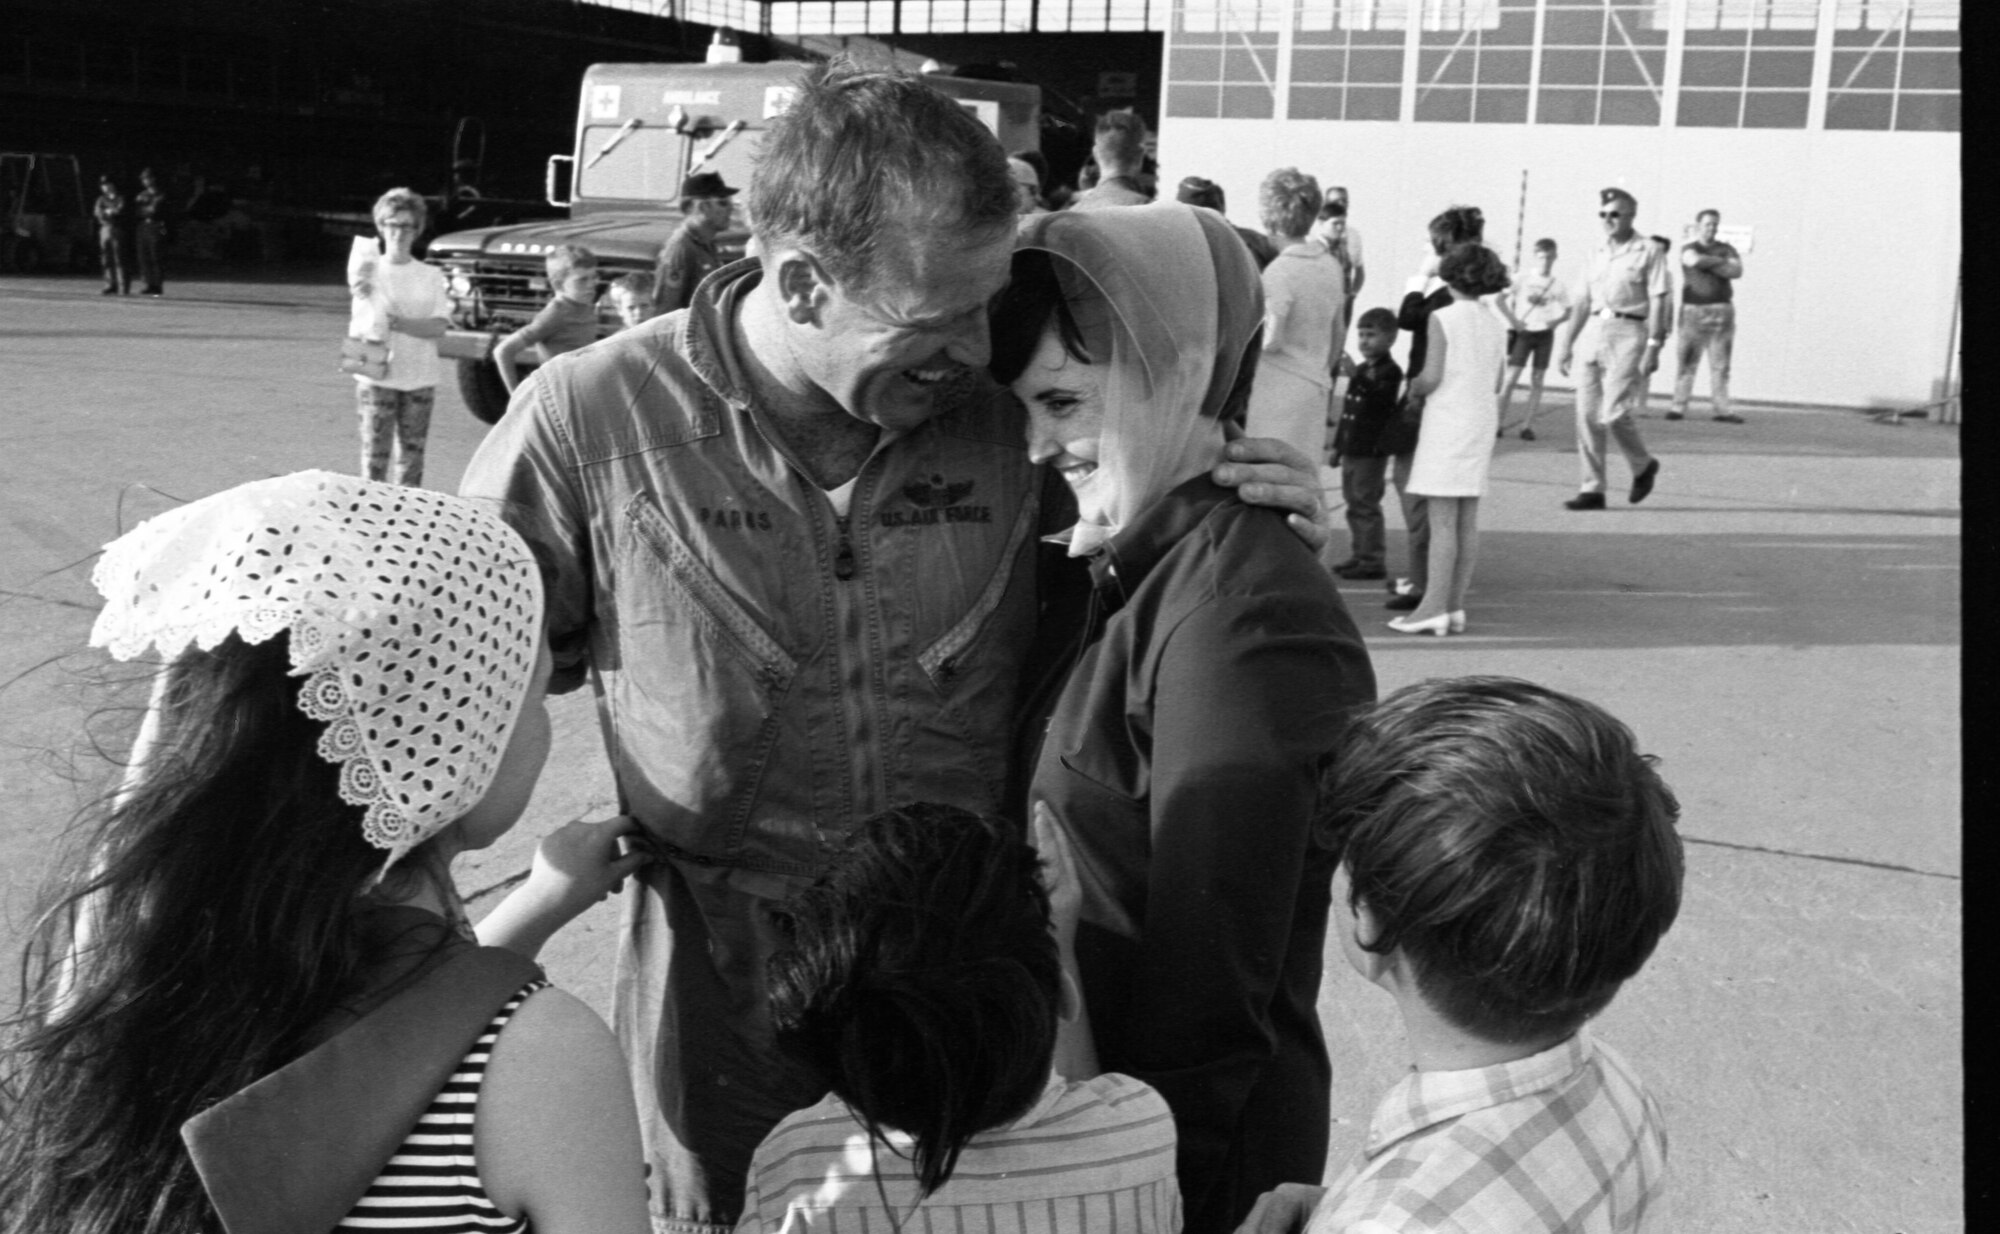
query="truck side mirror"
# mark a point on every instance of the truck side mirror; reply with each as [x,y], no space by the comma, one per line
[558,182]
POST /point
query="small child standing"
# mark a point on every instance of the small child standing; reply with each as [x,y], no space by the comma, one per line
[1534,306]
[1508,860]
[567,322]
[632,298]
[924,982]
[1373,388]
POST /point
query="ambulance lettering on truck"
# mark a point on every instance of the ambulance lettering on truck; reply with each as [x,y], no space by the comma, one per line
[641,130]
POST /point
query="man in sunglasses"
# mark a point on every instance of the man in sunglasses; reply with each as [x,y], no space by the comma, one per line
[1623,316]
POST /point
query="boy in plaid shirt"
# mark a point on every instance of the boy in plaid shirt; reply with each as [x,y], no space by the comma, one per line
[1508,860]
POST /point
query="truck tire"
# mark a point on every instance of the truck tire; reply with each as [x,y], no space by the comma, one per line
[479,385]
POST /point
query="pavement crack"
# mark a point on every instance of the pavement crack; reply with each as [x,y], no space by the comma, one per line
[1845,861]
[11,594]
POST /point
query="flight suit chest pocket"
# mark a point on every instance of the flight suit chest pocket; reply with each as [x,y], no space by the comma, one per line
[694,597]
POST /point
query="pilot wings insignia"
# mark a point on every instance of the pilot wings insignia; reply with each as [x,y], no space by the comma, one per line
[932,492]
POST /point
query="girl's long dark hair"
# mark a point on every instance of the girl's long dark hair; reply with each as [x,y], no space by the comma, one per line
[220,892]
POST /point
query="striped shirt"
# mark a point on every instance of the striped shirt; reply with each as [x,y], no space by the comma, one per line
[1095,1156]
[1562,1140]
[432,1183]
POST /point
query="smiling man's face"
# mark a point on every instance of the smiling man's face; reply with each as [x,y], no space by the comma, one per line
[887,352]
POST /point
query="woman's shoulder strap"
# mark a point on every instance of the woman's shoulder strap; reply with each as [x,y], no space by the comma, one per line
[295,1150]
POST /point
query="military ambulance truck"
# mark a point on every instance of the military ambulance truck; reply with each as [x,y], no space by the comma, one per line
[640,130]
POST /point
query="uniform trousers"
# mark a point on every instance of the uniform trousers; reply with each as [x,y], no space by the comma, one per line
[1609,354]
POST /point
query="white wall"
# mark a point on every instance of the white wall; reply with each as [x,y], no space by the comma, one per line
[1846,298]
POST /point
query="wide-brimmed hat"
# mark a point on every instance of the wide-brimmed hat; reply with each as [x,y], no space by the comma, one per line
[705,184]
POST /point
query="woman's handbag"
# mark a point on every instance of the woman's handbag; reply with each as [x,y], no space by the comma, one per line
[364,357]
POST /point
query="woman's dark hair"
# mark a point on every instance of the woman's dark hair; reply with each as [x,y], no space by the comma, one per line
[1474,270]
[220,895]
[1512,842]
[921,979]
[1457,225]
[1022,314]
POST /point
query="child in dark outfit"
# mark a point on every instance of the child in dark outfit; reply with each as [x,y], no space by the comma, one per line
[1373,386]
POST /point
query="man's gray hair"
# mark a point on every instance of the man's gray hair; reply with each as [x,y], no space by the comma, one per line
[864,158]
[1288,202]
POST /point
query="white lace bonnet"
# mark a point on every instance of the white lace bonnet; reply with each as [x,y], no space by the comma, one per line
[416,614]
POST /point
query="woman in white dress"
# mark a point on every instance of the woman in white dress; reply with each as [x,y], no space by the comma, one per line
[1467,346]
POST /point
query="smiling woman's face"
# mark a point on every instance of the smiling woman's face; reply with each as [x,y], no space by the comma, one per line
[1065,402]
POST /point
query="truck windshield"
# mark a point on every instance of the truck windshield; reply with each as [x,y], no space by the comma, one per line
[644,166]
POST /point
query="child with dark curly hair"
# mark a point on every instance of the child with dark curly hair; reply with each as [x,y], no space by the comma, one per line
[1465,349]
[922,981]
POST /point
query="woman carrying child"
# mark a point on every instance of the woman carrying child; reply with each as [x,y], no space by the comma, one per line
[1181,752]
[255,1004]
[1467,345]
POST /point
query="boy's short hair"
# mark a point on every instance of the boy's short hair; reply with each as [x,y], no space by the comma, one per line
[1512,843]
[1710,213]
[640,283]
[1545,245]
[1377,318]
[921,979]
[1474,270]
[566,259]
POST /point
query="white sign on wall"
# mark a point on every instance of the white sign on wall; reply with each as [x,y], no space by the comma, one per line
[988,111]
[1117,85]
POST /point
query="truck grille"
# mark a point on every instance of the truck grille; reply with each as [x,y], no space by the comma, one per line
[501,296]
[492,295]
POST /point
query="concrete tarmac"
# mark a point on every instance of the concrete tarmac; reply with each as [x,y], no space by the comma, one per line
[1778,622]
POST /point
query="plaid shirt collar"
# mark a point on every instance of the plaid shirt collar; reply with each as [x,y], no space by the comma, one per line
[1423,1099]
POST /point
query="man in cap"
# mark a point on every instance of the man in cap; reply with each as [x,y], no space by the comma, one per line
[793,536]
[1197,191]
[1623,316]
[1342,239]
[690,253]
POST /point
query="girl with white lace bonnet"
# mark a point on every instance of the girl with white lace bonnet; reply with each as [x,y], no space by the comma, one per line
[256,1004]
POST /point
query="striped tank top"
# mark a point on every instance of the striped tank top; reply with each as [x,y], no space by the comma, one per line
[432,1182]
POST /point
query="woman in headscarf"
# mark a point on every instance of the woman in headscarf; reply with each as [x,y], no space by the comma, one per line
[1181,754]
